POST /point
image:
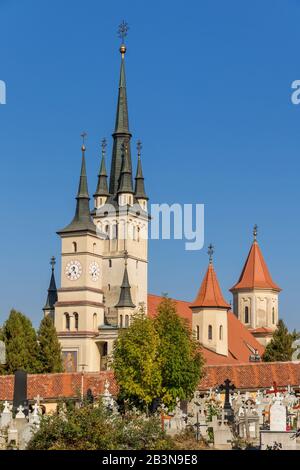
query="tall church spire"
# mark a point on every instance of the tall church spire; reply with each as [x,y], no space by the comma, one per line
[82,220]
[125,299]
[52,291]
[121,131]
[139,178]
[102,189]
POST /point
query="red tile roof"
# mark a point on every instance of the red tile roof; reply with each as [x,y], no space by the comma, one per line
[241,343]
[244,376]
[255,273]
[210,294]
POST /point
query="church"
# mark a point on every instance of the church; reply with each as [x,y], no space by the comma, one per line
[104,258]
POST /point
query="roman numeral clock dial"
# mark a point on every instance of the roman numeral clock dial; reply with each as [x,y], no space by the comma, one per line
[73,270]
[94,271]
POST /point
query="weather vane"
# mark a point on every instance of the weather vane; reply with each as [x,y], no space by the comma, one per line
[210,252]
[255,231]
[139,147]
[52,262]
[122,31]
[103,145]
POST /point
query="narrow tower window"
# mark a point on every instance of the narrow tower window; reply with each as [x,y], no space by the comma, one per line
[198,333]
[74,247]
[273,315]
[109,263]
[67,321]
[95,321]
[76,320]
[221,332]
[121,321]
[210,334]
[126,321]
[247,315]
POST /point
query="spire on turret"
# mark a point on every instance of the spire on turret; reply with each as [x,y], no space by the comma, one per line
[139,179]
[52,290]
[82,220]
[102,188]
[121,131]
[125,299]
[126,177]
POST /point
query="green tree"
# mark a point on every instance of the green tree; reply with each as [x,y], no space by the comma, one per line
[49,349]
[179,354]
[93,428]
[136,364]
[280,348]
[21,344]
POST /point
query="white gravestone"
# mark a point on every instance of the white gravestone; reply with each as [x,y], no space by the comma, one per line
[277,417]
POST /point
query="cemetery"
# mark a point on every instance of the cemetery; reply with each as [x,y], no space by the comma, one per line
[222,417]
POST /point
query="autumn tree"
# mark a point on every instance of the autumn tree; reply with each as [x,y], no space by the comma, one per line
[280,348]
[179,354]
[136,363]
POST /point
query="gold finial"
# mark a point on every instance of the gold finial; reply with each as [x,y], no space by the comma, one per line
[83,135]
[122,33]
[255,231]
[210,253]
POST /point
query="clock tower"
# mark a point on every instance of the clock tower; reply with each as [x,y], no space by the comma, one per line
[79,311]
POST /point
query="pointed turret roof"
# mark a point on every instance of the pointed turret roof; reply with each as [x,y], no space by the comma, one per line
[139,192]
[125,185]
[52,290]
[210,294]
[102,188]
[125,299]
[255,273]
[121,132]
[82,220]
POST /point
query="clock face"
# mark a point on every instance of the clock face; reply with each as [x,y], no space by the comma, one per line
[94,271]
[73,270]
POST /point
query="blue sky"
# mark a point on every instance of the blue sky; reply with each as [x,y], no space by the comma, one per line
[209,87]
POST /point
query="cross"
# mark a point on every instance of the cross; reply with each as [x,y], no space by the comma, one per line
[103,145]
[123,29]
[227,389]
[38,399]
[255,231]
[139,148]
[52,262]
[83,135]
[210,252]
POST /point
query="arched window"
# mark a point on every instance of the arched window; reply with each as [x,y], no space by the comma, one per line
[121,321]
[107,230]
[273,315]
[76,321]
[94,247]
[133,232]
[108,286]
[67,321]
[126,321]
[74,247]
[247,315]
[221,332]
[198,333]
[210,334]
[95,321]
[109,263]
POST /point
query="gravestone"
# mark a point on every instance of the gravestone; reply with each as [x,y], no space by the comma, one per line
[6,415]
[20,392]
[277,417]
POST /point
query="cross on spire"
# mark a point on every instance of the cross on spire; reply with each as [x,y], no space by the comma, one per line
[103,145]
[139,148]
[255,231]
[123,30]
[210,252]
[52,262]
[83,135]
